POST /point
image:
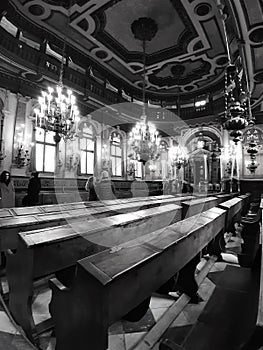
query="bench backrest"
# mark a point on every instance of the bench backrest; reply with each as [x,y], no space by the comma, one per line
[53,208]
[10,226]
[110,284]
[196,206]
[65,244]
[233,207]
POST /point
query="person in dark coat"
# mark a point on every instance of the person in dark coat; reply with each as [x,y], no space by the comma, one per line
[90,188]
[34,187]
[7,191]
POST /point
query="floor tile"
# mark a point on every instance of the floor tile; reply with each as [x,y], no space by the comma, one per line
[143,325]
[157,313]
[6,325]
[131,339]
[158,301]
[117,342]
[218,266]
[206,289]
[193,311]
[181,320]
[40,306]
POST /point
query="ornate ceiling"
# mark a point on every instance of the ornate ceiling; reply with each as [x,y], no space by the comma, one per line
[187,54]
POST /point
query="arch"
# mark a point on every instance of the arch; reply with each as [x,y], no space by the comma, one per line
[186,137]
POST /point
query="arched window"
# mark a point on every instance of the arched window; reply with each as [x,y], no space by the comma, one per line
[45,151]
[116,153]
[87,150]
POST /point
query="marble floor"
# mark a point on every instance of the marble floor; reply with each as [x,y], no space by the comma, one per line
[123,335]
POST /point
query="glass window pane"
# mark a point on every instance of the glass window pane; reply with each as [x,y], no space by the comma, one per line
[90,145]
[50,137]
[112,150]
[113,164]
[90,163]
[118,167]
[39,156]
[49,164]
[40,134]
[82,143]
[118,151]
[83,163]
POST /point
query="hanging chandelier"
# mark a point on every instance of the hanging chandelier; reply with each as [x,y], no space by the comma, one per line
[178,155]
[58,112]
[235,107]
[144,138]
[252,149]
[235,98]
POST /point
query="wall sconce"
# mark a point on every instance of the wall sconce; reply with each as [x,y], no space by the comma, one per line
[22,157]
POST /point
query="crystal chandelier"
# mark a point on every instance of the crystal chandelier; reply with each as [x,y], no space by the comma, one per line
[58,112]
[144,137]
[178,155]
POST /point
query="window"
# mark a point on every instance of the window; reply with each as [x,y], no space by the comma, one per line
[87,151]
[116,154]
[45,151]
[138,168]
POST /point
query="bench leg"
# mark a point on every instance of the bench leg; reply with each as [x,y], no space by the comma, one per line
[217,246]
[20,281]
[186,279]
[80,322]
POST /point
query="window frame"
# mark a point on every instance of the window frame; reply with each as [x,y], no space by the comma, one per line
[116,145]
[44,143]
[90,137]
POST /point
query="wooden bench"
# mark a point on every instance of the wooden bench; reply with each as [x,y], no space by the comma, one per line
[255,342]
[23,219]
[110,284]
[46,251]
[251,236]
[195,206]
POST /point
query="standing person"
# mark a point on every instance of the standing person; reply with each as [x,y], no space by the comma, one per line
[7,190]
[90,188]
[34,187]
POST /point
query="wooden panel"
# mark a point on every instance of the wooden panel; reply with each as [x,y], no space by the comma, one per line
[199,205]
[111,283]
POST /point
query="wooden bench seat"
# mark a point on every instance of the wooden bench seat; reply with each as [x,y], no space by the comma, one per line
[110,284]
[46,251]
[11,225]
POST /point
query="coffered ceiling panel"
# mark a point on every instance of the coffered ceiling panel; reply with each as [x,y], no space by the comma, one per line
[187,53]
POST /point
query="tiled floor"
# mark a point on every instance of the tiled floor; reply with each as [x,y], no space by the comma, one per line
[123,335]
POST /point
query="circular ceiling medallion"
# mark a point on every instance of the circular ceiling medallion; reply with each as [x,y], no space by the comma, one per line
[259,77]
[203,9]
[256,35]
[101,54]
[221,61]
[36,10]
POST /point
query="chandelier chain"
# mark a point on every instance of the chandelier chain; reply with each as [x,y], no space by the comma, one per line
[61,73]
